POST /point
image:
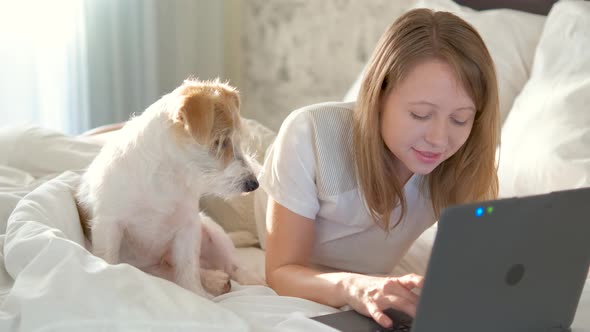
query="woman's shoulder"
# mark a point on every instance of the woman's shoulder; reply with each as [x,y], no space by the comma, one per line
[332,107]
[321,135]
[330,125]
[320,115]
[327,124]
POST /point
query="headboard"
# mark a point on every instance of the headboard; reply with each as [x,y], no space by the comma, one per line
[541,7]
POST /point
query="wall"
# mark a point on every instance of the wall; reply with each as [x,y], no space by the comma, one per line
[295,52]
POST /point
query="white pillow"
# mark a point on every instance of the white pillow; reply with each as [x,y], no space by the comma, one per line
[511,37]
[546,138]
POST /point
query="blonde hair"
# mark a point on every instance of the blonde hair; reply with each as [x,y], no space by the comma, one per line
[471,173]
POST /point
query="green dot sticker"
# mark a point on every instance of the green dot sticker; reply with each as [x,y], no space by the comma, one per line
[490,209]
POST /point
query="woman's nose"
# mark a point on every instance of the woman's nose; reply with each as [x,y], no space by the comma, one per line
[437,134]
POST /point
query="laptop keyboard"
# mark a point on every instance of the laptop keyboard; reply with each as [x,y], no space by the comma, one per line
[400,327]
[402,322]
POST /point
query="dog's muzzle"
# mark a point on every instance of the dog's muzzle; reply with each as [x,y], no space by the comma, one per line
[250,185]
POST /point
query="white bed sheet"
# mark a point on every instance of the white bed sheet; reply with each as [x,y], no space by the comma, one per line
[50,282]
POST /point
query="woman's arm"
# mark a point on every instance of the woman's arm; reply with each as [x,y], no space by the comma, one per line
[288,248]
[289,243]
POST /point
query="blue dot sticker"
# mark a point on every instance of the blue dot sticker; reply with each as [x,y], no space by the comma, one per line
[479,212]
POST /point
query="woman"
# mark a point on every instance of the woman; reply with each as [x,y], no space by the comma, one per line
[352,185]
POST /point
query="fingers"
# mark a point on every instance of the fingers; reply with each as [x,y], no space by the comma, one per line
[393,286]
[411,281]
[379,316]
[399,294]
[372,295]
[401,304]
[395,302]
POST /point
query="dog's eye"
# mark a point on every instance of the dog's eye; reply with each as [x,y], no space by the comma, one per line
[221,143]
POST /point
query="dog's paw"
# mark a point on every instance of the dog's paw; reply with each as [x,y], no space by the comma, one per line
[215,282]
[191,282]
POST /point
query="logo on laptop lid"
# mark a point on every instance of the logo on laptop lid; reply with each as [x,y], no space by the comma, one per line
[514,274]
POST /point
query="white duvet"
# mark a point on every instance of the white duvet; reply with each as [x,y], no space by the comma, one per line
[50,282]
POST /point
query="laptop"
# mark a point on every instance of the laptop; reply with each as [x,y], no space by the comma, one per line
[516,264]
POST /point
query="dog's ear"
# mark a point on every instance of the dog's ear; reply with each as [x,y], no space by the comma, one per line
[197,115]
[234,96]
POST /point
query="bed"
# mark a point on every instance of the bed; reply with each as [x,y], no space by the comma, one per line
[50,282]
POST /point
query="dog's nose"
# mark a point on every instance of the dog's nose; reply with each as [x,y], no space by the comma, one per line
[250,185]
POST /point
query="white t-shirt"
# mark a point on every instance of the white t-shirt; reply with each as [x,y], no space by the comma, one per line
[310,170]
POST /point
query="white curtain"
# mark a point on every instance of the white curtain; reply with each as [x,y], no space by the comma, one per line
[72,65]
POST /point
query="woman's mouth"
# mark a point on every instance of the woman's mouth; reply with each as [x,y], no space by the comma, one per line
[426,156]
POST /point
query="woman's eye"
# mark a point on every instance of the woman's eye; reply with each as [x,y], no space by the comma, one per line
[419,117]
[458,122]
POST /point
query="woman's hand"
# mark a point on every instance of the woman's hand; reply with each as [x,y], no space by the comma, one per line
[371,295]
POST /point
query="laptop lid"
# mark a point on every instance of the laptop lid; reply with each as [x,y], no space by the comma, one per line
[516,264]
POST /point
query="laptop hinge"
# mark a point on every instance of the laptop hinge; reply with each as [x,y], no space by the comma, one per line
[559,329]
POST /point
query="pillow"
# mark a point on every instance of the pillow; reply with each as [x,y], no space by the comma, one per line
[511,37]
[31,155]
[237,214]
[417,257]
[546,138]
[41,151]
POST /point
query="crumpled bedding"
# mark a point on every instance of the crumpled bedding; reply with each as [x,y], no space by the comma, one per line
[50,282]
[59,285]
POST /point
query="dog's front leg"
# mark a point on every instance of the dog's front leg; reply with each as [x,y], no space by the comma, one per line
[107,235]
[219,252]
[185,253]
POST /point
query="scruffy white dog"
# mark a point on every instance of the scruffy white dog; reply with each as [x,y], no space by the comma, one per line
[140,196]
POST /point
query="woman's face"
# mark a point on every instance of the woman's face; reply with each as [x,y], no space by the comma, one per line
[426,118]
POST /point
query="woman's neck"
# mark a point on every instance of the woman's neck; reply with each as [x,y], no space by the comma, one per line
[404,174]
